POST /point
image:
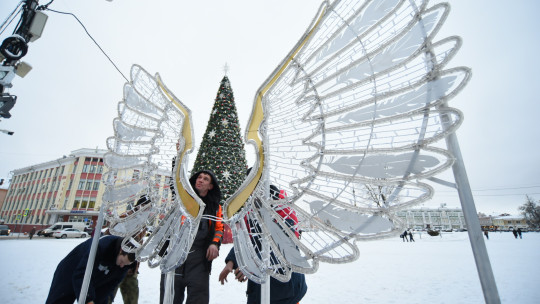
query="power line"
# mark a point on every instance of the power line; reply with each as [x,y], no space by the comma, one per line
[509,188]
[496,189]
[5,24]
[507,194]
[97,44]
[520,194]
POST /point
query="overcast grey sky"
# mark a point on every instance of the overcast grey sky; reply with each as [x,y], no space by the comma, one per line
[68,100]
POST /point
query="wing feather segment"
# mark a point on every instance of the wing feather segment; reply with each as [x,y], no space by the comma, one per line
[147,185]
[348,125]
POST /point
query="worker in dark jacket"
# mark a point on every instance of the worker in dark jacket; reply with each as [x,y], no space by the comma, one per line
[194,273]
[290,292]
[107,273]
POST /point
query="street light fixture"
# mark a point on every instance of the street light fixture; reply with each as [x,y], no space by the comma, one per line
[7,132]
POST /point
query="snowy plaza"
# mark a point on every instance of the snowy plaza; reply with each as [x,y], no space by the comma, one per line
[430,270]
[355,121]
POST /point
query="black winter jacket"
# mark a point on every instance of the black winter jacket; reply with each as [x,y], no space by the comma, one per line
[106,275]
[280,293]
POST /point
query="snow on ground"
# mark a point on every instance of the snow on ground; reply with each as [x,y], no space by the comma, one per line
[430,270]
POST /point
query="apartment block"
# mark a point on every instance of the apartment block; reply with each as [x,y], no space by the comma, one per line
[68,189]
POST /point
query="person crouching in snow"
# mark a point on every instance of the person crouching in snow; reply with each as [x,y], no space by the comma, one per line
[107,273]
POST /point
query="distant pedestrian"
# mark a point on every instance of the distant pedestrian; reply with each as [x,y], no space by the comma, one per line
[519,232]
[486,234]
[515,233]
[32,232]
[411,236]
[404,234]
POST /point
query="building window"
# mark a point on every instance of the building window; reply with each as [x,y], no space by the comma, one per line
[96,185]
[92,168]
[42,202]
[81,185]
[100,169]
[88,185]
[165,193]
[85,168]
[92,203]
[76,203]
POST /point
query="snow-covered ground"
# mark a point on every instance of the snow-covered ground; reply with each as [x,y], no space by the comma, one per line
[431,270]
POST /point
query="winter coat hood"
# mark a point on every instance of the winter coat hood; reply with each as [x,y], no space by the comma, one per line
[215,193]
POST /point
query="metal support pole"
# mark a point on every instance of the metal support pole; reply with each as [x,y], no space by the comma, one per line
[487,280]
[91,257]
[265,287]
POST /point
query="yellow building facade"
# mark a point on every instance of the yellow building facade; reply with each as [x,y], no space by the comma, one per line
[68,189]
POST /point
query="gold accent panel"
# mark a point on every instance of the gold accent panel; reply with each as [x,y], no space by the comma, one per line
[189,202]
[256,119]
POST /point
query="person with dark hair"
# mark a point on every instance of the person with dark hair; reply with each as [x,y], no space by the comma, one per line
[290,292]
[194,273]
[107,273]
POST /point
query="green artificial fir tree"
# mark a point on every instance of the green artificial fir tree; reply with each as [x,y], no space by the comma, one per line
[222,149]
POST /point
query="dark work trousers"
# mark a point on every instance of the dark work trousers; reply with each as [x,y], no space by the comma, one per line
[193,274]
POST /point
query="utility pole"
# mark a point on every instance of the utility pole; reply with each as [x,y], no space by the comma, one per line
[15,47]
[8,132]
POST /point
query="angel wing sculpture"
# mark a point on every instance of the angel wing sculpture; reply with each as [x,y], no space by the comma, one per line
[346,125]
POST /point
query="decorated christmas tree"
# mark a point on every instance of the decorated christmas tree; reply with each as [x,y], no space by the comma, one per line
[222,149]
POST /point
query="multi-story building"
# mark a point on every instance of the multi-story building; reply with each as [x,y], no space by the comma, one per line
[68,189]
[3,194]
[509,222]
[486,221]
[433,218]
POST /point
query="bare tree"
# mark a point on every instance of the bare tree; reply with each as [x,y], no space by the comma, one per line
[531,211]
[379,194]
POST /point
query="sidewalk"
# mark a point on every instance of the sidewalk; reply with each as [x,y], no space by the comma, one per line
[16,235]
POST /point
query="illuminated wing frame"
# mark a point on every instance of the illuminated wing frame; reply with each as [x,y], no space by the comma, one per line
[148,157]
[347,125]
